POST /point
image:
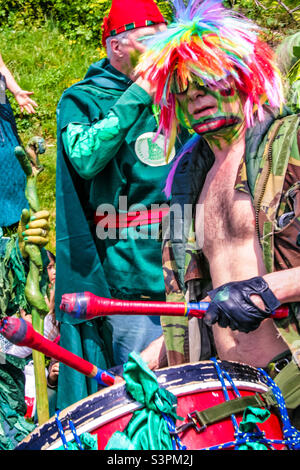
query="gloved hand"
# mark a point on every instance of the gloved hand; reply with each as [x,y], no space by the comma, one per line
[231,305]
[33,230]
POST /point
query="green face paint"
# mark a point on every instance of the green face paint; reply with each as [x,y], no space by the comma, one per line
[134,58]
[224,116]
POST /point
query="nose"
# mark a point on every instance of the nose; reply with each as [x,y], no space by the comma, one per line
[194,96]
[196,91]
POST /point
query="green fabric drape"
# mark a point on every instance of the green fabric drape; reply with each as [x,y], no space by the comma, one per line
[251,417]
[147,429]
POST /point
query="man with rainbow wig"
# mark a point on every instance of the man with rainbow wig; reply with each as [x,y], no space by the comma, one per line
[238,244]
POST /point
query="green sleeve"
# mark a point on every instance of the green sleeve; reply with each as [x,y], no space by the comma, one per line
[91,147]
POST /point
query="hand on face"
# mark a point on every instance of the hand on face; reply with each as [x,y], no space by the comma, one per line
[137,40]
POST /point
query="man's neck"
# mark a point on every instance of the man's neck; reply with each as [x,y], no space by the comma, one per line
[227,144]
[121,67]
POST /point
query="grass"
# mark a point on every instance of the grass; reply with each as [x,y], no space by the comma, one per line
[45,62]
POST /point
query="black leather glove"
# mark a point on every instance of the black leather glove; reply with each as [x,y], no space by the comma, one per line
[231,305]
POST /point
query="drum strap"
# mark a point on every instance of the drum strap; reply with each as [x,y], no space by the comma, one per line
[238,405]
[288,380]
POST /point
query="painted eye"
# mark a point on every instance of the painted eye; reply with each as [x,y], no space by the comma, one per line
[227,92]
[198,85]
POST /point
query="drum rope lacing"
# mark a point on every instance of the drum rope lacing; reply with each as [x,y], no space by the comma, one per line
[176,442]
[291,434]
[62,432]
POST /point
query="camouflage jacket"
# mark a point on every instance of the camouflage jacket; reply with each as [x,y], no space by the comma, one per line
[270,173]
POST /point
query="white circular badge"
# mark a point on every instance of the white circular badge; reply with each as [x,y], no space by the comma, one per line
[151,149]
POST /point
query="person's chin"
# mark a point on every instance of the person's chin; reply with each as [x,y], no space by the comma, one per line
[214,124]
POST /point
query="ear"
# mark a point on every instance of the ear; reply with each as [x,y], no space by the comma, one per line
[116,48]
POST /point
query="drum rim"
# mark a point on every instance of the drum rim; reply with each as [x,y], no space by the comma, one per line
[179,391]
[128,405]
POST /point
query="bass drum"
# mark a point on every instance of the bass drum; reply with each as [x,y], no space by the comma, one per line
[197,387]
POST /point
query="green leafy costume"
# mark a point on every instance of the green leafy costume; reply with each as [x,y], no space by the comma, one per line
[13,426]
[13,273]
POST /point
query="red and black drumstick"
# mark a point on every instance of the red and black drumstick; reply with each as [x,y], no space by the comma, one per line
[85,306]
[21,333]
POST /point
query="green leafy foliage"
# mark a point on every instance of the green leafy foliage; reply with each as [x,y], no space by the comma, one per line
[75,18]
[78,19]
[277,18]
[46,62]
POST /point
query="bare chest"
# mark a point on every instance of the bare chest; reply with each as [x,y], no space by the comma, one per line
[224,216]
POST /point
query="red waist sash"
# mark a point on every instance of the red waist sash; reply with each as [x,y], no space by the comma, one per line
[131,219]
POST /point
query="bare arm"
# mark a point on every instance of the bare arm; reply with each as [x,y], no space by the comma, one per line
[10,81]
[21,96]
[155,354]
[285,284]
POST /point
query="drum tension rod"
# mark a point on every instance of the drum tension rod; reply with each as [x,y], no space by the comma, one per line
[193,423]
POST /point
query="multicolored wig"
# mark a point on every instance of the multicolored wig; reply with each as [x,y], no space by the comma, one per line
[214,44]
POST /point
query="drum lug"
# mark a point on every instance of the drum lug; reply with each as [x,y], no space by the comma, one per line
[193,423]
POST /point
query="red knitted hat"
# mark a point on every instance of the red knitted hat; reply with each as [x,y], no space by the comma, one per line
[130,14]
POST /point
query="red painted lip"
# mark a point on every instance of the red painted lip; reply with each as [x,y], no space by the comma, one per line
[210,125]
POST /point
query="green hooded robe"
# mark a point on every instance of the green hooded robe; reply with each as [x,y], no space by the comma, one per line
[114,117]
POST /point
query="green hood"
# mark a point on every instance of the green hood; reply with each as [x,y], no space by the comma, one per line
[84,272]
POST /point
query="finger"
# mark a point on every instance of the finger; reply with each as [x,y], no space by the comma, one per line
[32,102]
[36,240]
[22,313]
[25,216]
[34,232]
[26,317]
[212,314]
[40,215]
[40,223]
[224,321]
[119,380]
[29,109]
[206,299]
